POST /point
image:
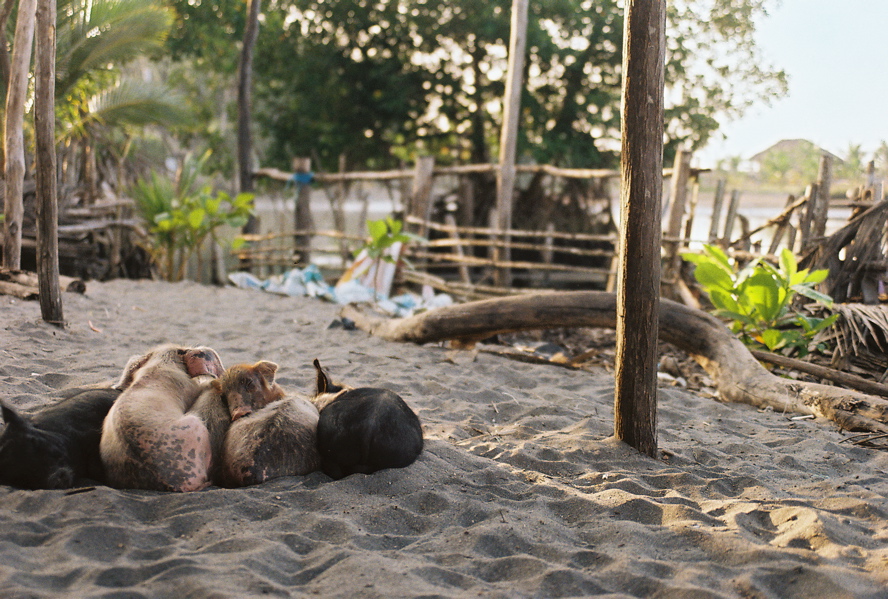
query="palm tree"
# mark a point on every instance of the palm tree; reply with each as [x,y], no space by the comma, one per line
[103,106]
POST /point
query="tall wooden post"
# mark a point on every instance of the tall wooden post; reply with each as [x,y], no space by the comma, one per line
[47,188]
[13,139]
[505,180]
[302,219]
[638,283]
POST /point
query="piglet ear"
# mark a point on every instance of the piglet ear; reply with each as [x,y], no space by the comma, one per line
[324,383]
[11,417]
[266,369]
[129,371]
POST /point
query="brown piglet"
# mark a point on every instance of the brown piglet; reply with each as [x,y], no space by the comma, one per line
[271,434]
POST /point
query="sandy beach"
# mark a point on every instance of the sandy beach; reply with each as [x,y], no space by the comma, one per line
[520,492]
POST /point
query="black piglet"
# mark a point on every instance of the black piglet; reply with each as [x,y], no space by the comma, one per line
[59,445]
[363,430]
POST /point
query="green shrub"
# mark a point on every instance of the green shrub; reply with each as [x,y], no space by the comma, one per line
[181,217]
[758,299]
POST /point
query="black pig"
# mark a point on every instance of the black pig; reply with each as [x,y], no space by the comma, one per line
[363,430]
[57,446]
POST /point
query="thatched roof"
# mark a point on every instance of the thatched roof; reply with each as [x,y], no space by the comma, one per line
[794,145]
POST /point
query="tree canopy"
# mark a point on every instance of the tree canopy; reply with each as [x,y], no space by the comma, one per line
[381,81]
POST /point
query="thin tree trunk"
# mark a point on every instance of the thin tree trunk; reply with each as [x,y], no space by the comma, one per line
[244,108]
[47,188]
[13,138]
[5,67]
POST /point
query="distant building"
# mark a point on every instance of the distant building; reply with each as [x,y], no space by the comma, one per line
[791,160]
[793,146]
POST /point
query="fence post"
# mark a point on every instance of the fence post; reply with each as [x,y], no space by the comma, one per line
[821,206]
[303,221]
[421,193]
[641,167]
[717,203]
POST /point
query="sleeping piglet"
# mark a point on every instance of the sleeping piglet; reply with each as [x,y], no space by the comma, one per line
[57,446]
[271,434]
[363,430]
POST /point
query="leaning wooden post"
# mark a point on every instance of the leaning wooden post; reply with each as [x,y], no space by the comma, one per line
[505,179]
[821,206]
[13,139]
[47,193]
[638,283]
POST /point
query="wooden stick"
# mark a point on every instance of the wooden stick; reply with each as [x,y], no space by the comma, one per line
[512,232]
[782,226]
[476,261]
[830,374]
[543,248]
[465,169]
[463,269]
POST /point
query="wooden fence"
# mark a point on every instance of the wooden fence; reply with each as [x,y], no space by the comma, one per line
[465,261]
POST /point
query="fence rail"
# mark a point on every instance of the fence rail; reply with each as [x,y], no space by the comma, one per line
[468,258]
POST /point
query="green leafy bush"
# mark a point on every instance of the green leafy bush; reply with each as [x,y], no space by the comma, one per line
[182,217]
[758,299]
[384,233]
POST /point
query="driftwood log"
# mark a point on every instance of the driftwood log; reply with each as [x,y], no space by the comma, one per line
[25,285]
[738,376]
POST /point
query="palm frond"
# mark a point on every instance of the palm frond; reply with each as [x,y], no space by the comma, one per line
[861,327]
[131,103]
[92,35]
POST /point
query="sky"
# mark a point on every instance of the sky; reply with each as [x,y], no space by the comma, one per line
[835,53]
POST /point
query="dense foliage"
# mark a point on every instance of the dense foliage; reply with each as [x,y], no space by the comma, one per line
[381,81]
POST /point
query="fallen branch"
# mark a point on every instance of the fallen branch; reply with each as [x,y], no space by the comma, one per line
[29,279]
[738,376]
[17,290]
